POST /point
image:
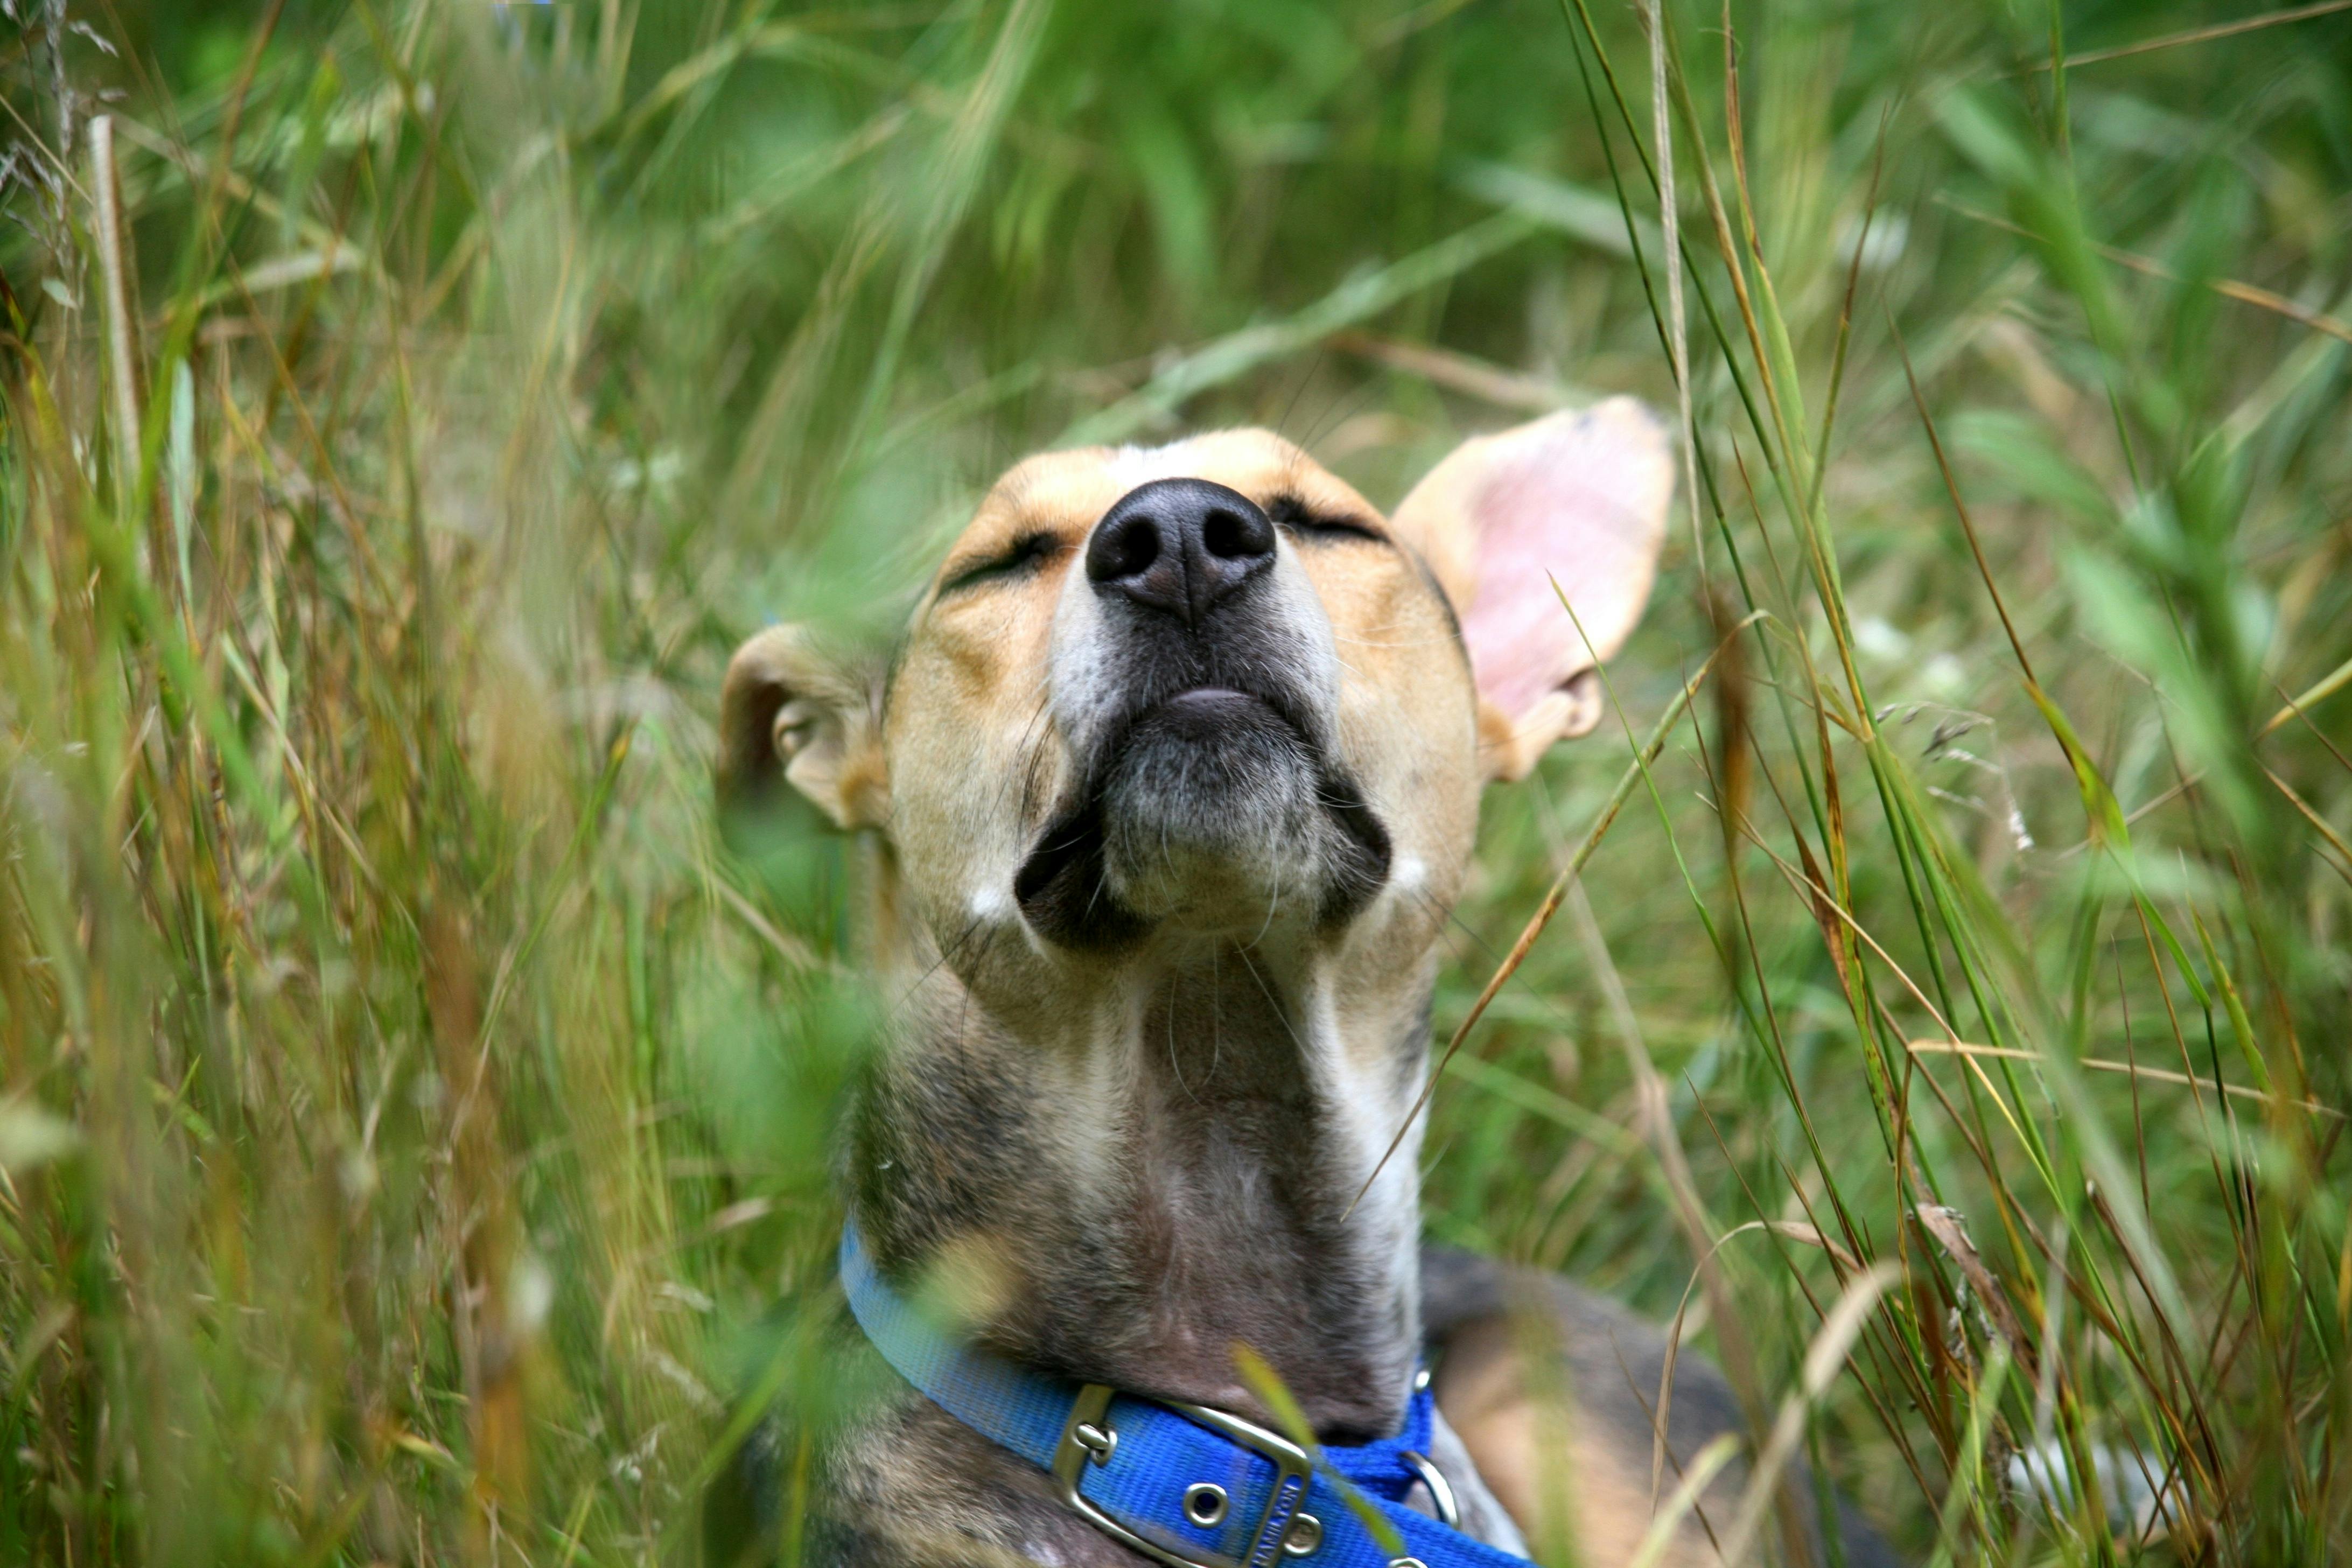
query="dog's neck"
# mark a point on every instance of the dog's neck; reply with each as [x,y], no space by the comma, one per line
[1126,1183]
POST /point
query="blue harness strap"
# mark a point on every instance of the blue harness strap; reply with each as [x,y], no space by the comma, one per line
[1191,1487]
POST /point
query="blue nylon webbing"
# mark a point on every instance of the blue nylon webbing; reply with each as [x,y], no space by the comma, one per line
[1010,1406]
[1160,1452]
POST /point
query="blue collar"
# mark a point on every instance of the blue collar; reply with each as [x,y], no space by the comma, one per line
[1190,1486]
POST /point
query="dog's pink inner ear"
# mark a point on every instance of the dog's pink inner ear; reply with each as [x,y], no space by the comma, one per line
[1571,506]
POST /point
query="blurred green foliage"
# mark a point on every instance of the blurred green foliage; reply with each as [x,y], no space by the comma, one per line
[414,1123]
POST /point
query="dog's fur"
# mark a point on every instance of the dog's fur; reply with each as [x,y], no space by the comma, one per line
[1158,881]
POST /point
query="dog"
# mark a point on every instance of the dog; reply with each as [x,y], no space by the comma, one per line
[1172,784]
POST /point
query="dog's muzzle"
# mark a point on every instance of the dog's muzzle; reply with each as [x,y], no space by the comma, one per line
[1194,678]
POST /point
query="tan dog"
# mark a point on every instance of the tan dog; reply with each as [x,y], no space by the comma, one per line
[1173,781]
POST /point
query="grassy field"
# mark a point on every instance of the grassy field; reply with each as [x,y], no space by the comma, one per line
[414,1122]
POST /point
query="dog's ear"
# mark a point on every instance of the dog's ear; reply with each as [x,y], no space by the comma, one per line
[792,713]
[1577,498]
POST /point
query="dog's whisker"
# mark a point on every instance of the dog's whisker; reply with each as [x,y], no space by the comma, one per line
[906,996]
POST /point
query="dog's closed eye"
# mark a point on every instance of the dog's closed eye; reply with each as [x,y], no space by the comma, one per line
[1293,516]
[1023,556]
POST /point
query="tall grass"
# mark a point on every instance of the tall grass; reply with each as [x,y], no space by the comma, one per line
[413,1124]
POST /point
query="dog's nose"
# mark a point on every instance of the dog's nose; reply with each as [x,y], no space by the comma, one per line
[1179,546]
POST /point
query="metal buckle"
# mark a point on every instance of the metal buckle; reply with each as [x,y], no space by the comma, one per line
[1282,1530]
[1441,1491]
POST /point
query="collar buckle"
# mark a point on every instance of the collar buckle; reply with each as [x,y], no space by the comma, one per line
[1089,1438]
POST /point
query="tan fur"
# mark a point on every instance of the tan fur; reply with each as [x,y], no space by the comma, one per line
[1537,1450]
[785,702]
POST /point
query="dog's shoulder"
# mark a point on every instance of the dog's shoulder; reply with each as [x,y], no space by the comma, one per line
[1616,1362]
[1507,1338]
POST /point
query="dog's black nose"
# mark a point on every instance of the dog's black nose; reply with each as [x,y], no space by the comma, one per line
[1179,546]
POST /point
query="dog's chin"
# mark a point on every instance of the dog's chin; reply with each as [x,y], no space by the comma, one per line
[1209,812]
[1214,815]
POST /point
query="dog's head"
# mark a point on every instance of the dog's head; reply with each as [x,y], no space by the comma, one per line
[1206,693]
[1175,777]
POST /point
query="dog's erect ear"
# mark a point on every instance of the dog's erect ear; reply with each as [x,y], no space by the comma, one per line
[789,713]
[1576,498]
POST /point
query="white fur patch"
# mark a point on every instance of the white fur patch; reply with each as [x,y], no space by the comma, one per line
[1365,1112]
[1133,466]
